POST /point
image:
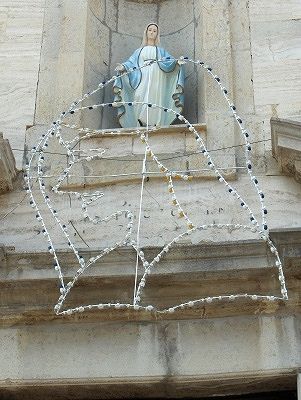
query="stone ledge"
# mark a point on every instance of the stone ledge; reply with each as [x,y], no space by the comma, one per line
[230,257]
[8,170]
[178,386]
[124,153]
[29,287]
[175,147]
[286,146]
[164,130]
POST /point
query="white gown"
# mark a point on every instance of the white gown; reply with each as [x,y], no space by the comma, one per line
[154,86]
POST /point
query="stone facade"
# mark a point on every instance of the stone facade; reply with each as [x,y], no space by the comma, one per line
[51,53]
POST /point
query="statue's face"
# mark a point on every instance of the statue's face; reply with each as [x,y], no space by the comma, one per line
[152,32]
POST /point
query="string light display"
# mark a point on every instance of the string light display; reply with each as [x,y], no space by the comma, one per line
[34,170]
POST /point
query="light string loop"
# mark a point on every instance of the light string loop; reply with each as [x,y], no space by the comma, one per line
[88,199]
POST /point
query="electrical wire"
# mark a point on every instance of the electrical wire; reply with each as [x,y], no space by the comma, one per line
[14,208]
[161,159]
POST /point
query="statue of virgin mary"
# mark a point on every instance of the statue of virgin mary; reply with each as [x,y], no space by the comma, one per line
[160,83]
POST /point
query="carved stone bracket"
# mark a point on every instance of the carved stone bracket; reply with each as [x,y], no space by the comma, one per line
[8,171]
[286,146]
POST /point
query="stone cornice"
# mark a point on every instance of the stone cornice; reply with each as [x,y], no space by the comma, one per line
[152,386]
[29,286]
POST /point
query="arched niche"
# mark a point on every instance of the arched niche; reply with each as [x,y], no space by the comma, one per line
[82,44]
[114,30]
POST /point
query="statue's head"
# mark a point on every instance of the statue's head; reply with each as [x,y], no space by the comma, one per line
[151,34]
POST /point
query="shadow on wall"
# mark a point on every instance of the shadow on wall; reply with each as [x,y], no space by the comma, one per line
[114,31]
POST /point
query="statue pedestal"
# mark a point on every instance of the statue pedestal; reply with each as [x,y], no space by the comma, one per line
[174,146]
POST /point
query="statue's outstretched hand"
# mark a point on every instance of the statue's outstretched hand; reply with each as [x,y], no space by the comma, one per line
[181,61]
[119,68]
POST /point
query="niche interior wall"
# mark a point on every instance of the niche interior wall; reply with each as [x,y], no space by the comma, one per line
[114,31]
[83,42]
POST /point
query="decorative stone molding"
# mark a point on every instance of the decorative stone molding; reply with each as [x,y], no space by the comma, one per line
[156,387]
[286,146]
[8,171]
[240,266]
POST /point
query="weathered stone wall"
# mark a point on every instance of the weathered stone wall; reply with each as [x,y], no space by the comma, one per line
[21,25]
[82,44]
[265,40]
[254,46]
[62,58]
[172,349]
[275,43]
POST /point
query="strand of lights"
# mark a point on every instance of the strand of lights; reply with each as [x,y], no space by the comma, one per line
[88,199]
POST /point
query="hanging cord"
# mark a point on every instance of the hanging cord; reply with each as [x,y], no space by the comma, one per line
[141,193]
